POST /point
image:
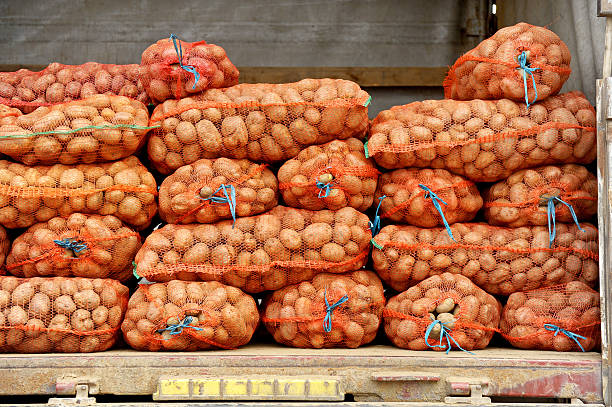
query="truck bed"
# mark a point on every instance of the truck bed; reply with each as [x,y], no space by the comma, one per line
[268,372]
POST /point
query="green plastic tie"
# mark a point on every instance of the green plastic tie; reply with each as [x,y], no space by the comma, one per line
[117,126]
[368,101]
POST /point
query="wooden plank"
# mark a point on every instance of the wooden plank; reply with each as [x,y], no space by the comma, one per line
[364,76]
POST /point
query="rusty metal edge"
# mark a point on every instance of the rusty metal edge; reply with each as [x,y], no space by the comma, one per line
[604,168]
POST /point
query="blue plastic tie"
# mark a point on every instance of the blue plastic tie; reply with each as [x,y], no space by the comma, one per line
[571,335]
[375,225]
[188,68]
[551,215]
[527,69]
[436,202]
[76,246]
[444,334]
[177,329]
[324,188]
[228,198]
[327,321]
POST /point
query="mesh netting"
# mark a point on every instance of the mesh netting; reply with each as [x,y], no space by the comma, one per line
[443,312]
[329,311]
[330,176]
[98,128]
[562,318]
[485,140]
[206,66]
[413,196]
[516,60]
[211,190]
[189,316]
[59,83]
[523,198]
[29,195]
[60,314]
[261,122]
[499,260]
[80,245]
[257,253]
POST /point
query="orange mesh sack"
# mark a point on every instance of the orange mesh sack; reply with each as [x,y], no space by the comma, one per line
[330,176]
[29,195]
[562,318]
[257,253]
[262,122]
[530,197]
[59,83]
[189,316]
[210,190]
[498,260]
[485,140]
[98,128]
[60,314]
[413,196]
[7,113]
[80,245]
[330,311]
[442,313]
[519,62]
[172,68]
[5,248]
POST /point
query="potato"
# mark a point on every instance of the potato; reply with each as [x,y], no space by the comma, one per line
[499,75]
[331,176]
[30,195]
[469,315]
[163,77]
[260,122]
[216,316]
[499,260]
[263,252]
[60,314]
[60,83]
[295,315]
[184,197]
[509,140]
[108,248]
[405,200]
[522,199]
[530,319]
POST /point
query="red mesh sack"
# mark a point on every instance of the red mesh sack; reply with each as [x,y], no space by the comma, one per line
[257,253]
[189,316]
[210,190]
[262,122]
[330,176]
[523,198]
[442,313]
[485,140]
[80,245]
[172,68]
[520,62]
[29,195]
[7,112]
[498,260]
[413,196]
[98,128]
[59,83]
[562,318]
[330,311]
[60,314]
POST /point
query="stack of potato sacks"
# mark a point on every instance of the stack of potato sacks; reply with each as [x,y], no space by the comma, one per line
[77,197]
[226,235]
[503,123]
